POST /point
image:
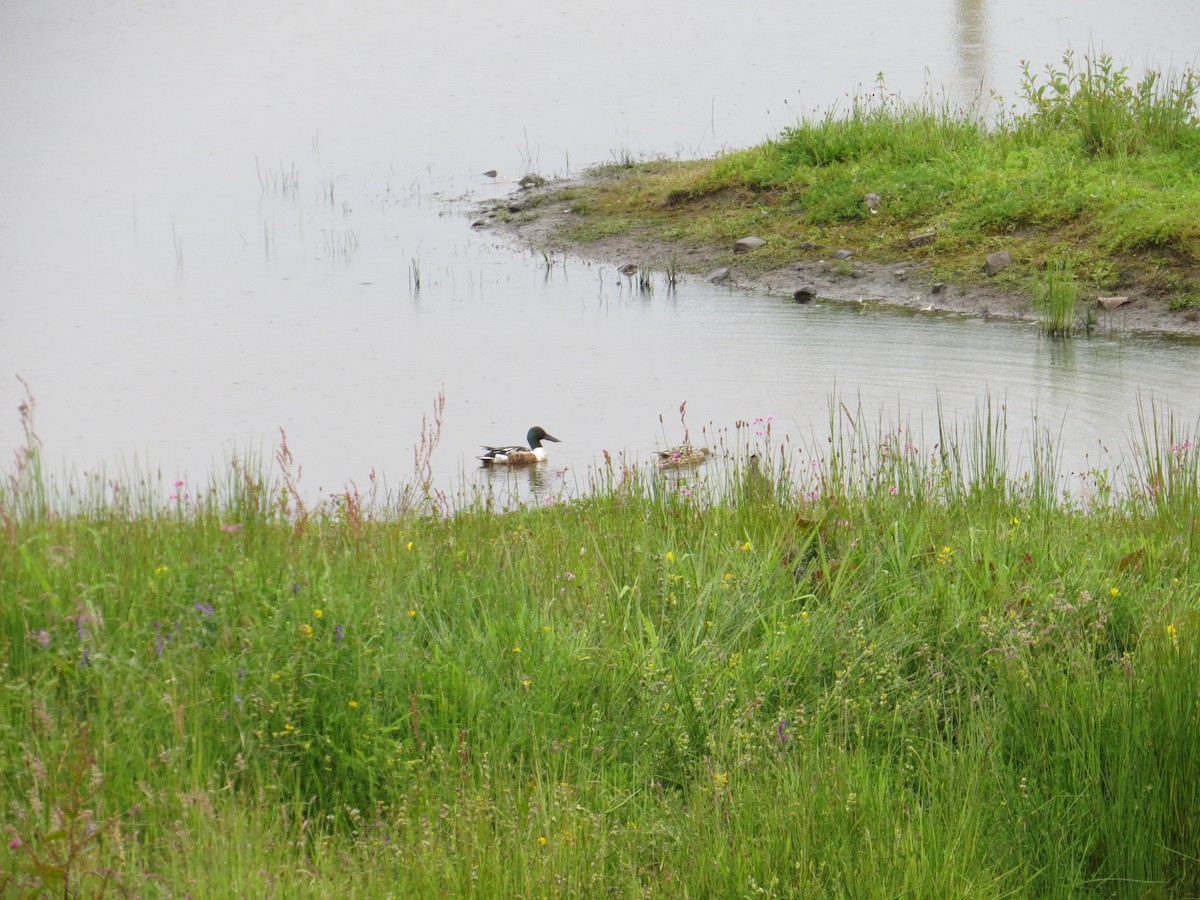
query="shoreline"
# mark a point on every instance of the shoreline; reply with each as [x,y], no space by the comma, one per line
[541,218]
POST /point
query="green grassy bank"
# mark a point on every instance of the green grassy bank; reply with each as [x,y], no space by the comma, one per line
[1088,172]
[893,670]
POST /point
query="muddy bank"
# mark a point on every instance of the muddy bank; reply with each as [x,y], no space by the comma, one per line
[542,218]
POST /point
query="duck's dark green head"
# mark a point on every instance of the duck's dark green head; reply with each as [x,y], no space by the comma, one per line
[537,434]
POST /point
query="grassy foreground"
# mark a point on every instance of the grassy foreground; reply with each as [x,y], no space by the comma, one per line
[885,671]
[1089,172]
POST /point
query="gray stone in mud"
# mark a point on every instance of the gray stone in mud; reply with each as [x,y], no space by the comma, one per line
[720,276]
[1111,303]
[746,244]
[997,262]
[843,254]
[920,240]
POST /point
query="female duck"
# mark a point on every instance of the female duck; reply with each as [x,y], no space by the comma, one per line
[682,456]
[516,455]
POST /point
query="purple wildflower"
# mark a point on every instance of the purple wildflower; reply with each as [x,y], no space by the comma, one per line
[337,633]
[781,732]
[205,609]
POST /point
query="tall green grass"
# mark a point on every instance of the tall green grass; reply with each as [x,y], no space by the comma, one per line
[1110,113]
[885,668]
[1056,299]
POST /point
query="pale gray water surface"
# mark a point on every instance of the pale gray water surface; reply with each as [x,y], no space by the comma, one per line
[214,214]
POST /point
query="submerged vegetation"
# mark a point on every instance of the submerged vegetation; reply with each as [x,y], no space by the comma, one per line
[882,668]
[1090,171]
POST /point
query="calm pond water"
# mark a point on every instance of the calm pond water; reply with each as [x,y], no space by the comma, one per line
[215,215]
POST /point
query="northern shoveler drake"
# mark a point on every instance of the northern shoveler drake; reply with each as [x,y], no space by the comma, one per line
[515,454]
[682,456]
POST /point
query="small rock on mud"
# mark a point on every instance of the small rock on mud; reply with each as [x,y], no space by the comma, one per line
[746,244]
[997,262]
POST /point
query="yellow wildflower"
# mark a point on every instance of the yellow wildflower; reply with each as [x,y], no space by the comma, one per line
[306,630]
[670,556]
[542,840]
[318,613]
[354,704]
